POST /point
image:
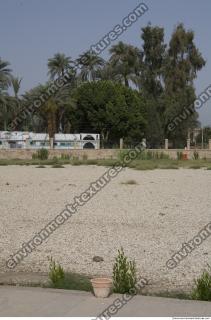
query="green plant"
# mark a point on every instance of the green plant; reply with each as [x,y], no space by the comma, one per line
[41,154]
[55,160]
[124,273]
[195,155]
[202,290]
[34,156]
[65,156]
[56,272]
[73,281]
[122,154]
[179,155]
[66,280]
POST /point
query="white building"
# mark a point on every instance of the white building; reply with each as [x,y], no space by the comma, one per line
[30,140]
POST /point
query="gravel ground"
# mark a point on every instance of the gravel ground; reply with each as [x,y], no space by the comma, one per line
[150,220]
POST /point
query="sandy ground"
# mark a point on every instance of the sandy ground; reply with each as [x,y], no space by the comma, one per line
[149,220]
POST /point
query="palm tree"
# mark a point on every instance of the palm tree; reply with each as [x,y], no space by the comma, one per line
[90,64]
[5,78]
[15,84]
[5,74]
[126,61]
[5,109]
[58,65]
[15,100]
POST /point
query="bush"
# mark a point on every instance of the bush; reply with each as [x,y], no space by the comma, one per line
[67,280]
[65,156]
[56,273]
[179,155]
[122,154]
[195,155]
[124,274]
[41,154]
[202,291]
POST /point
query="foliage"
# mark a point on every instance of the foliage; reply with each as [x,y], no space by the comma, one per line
[202,290]
[179,155]
[195,155]
[58,65]
[90,64]
[124,273]
[110,109]
[65,156]
[41,154]
[56,272]
[100,96]
[67,280]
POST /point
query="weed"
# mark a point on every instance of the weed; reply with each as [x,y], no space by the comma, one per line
[56,273]
[124,273]
[202,290]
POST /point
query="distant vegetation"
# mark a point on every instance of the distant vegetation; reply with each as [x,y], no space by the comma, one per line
[134,94]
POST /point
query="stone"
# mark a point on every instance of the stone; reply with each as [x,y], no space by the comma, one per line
[97,259]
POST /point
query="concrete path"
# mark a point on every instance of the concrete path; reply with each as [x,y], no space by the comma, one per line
[20,301]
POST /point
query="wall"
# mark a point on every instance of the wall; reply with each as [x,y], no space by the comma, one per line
[93,154]
[26,154]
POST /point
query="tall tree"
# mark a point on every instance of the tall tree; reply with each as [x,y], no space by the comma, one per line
[183,61]
[126,61]
[150,81]
[58,65]
[89,64]
[5,78]
[5,74]
[111,109]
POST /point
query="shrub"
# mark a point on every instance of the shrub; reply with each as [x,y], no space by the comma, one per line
[202,290]
[122,154]
[195,155]
[41,154]
[55,160]
[124,273]
[67,280]
[179,155]
[65,156]
[56,272]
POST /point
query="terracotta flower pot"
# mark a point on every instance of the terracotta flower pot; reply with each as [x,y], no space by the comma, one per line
[102,287]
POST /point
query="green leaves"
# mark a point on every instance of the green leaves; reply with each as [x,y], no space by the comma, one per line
[202,290]
[124,273]
[110,109]
[56,273]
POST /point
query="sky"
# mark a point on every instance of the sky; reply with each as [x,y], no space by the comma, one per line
[32,31]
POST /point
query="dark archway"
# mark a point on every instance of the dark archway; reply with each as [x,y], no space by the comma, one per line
[89,145]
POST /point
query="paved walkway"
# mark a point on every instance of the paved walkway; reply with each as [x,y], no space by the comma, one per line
[20,301]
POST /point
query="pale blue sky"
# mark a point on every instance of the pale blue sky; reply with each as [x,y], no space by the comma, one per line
[31,31]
